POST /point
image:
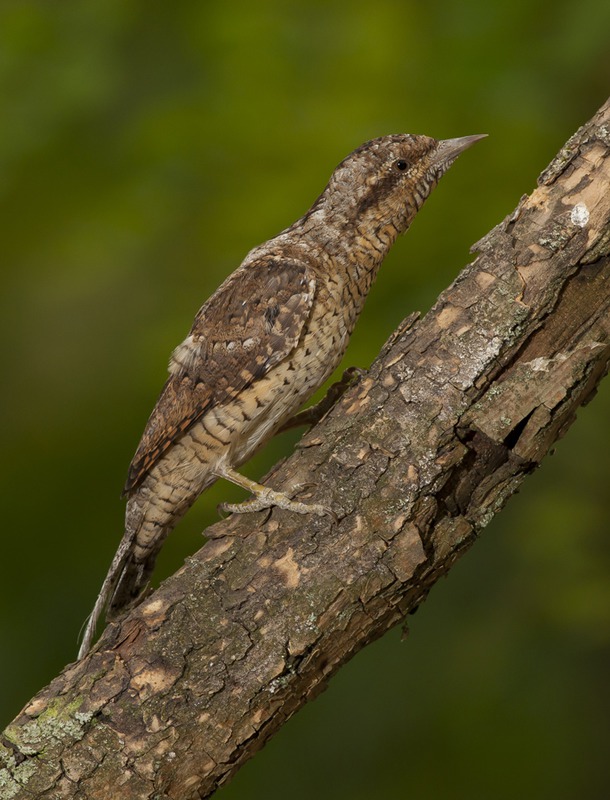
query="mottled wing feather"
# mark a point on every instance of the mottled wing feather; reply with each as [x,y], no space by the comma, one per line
[253,321]
[180,404]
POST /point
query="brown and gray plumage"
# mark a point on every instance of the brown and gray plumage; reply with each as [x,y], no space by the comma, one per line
[269,336]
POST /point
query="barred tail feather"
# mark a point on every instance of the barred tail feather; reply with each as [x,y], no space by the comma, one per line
[107,591]
[121,571]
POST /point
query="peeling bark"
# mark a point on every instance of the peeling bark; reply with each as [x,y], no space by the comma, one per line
[415,459]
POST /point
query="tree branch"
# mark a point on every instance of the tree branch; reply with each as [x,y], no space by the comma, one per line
[415,459]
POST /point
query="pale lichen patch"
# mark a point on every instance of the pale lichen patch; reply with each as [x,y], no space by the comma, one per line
[154,611]
[36,706]
[288,569]
[579,215]
[11,782]
[540,364]
[448,316]
[8,786]
[152,607]
[153,680]
[58,721]
[155,724]
[485,279]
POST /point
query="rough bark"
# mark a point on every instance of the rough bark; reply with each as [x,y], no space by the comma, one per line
[415,459]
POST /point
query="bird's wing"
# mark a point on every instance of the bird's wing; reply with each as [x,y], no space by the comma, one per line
[253,321]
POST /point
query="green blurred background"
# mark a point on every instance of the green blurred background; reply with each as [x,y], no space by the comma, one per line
[144,148]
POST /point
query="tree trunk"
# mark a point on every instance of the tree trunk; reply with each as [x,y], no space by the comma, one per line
[415,460]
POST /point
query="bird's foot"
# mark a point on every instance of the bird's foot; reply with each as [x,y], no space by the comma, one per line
[264,497]
[270,498]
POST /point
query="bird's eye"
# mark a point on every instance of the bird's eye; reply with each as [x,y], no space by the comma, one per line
[400,164]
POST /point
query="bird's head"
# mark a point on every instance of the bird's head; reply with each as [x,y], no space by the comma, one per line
[385,181]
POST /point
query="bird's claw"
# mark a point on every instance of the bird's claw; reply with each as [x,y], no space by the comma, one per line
[270,498]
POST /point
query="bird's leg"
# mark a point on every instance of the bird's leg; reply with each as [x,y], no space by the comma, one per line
[313,414]
[264,497]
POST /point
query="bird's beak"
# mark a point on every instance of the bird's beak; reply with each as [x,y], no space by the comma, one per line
[448,150]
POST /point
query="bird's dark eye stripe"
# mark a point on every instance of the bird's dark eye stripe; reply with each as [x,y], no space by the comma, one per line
[401,164]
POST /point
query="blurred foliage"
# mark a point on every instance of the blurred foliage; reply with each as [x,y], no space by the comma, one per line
[144,149]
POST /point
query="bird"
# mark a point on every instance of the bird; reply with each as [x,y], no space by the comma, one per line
[261,345]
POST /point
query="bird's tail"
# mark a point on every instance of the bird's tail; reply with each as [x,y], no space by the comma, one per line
[112,580]
[129,571]
[147,524]
[131,584]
